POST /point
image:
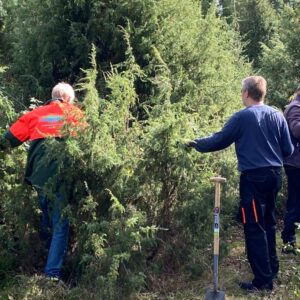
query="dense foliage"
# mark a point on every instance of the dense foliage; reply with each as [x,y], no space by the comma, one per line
[149,75]
[280,60]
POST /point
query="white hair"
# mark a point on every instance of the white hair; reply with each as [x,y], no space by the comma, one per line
[63,91]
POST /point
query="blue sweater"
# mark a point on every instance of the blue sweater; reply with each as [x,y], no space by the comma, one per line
[260,134]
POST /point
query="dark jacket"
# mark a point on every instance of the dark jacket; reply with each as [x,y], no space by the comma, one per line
[35,126]
[292,115]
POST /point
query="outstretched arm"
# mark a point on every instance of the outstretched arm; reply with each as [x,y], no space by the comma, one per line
[220,140]
[17,134]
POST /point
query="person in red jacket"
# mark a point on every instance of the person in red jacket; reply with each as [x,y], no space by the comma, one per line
[49,120]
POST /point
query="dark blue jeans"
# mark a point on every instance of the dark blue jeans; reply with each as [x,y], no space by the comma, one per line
[292,214]
[258,192]
[54,232]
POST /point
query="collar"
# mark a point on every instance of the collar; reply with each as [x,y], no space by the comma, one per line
[54,99]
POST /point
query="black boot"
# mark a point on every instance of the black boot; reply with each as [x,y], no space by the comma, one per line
[250,287]
[290,247]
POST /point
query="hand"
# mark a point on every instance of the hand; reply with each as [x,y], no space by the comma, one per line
[190,144]
[186,145]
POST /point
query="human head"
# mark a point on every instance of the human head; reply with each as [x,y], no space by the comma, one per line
[255,88]
[63,91]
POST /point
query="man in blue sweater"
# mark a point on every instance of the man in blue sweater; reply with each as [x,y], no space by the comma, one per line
[262,140]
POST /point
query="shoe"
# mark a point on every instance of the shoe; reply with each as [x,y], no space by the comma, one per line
[251,288]
[53,280]
[290,247]
[50,281]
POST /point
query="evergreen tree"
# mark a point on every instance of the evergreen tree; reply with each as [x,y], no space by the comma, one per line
[257,21]
[281,58]
[162,72]
[2,18]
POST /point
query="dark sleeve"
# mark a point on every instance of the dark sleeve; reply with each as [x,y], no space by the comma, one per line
[17,134]
[293,119]
[8,140]
[287,147]
[222,139]
[4,143]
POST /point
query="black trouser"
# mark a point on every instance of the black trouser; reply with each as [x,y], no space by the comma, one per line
[258,191]
[292,214]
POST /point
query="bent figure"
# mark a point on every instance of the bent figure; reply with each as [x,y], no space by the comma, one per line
[262,140]
[35,126]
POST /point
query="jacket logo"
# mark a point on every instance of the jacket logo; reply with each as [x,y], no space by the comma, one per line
[51,119]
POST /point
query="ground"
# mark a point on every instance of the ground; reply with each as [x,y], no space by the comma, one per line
[233,268]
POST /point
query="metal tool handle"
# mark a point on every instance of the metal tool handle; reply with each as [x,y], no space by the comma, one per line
[217,180]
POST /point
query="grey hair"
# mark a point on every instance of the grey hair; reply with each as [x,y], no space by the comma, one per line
[63,91]
[256,86]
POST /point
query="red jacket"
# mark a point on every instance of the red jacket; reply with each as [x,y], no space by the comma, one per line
[46,121]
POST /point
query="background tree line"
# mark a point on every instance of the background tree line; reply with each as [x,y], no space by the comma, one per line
[149,73]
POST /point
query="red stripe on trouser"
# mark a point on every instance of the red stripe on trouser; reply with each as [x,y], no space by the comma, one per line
[243,215]
[254,210]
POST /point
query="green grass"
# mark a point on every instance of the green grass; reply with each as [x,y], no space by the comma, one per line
[233,268]
[33,287]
